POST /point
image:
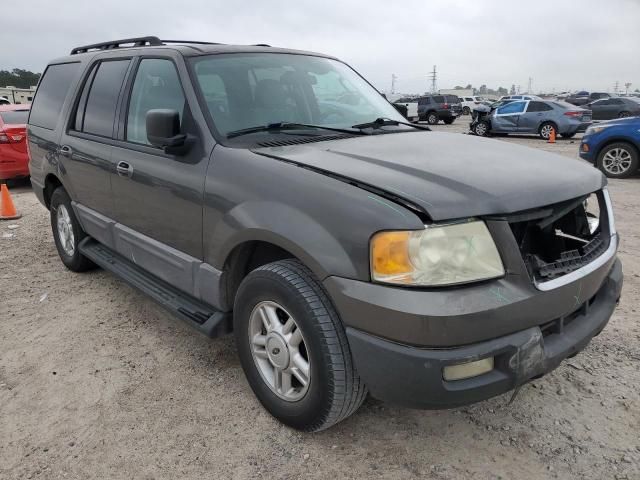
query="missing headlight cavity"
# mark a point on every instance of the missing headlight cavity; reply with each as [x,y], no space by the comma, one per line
[565,237]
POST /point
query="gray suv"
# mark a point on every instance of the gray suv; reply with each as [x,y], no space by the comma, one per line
[277,195]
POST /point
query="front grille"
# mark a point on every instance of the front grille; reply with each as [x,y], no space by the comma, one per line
[561,238]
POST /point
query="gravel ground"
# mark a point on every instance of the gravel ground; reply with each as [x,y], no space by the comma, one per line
[97,381]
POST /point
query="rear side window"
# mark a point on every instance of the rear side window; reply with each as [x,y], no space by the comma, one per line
[424,100]
[51,93]
[157,85]
[16,117]
[538,107]
[104,89]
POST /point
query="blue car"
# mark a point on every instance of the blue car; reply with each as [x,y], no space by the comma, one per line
[613,146]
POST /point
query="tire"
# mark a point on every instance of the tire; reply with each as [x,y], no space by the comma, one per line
[466,111]
[544,130]
[481,128]
[432,118]
[618,160]
[67,245]
[449,121]
[335,390]
[624,114]
[568,135]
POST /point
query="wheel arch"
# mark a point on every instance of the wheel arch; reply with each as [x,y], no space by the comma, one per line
[51,183]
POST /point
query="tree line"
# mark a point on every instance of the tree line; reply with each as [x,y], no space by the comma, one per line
[18,78]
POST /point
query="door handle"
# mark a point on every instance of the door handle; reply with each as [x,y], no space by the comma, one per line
[65,150]
[124,169]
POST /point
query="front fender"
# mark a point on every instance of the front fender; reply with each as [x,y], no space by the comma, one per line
[287,227]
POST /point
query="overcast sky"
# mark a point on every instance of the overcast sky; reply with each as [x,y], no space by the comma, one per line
[561,44]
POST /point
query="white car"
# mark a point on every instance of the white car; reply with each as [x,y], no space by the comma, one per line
[468,103]
[412,107]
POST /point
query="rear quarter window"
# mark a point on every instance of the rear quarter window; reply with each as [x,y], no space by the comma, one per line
[51,93]
[451,99]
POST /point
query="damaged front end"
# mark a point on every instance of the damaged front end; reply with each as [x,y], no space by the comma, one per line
[565,239]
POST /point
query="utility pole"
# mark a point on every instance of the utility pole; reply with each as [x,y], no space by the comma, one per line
[394,77]
[433,76]
[626,88]
[530,86]
[616,87]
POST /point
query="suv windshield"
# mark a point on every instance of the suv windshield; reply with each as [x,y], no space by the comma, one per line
[248,90]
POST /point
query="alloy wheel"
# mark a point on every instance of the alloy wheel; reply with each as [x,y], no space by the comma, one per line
[65,230]
[279,351]
[617,161]
[545,131]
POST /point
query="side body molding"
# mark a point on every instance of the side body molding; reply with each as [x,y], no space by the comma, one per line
[187,273]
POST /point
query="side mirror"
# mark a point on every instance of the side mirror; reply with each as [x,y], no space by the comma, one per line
[163,129]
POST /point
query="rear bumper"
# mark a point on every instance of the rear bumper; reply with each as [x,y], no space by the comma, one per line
[412,376]
[578,128]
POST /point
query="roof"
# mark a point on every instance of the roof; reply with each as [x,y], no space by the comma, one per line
[187,48]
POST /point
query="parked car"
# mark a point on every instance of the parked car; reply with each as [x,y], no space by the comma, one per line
[613,146]
[434,108]
[411,106]
[468,103]
[583,98]
[14,161]
[349,251]
[530,116]
[519,97]
[614,107]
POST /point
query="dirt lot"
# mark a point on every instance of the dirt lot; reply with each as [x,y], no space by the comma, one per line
[97,381]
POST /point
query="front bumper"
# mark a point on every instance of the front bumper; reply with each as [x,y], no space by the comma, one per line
[412,376]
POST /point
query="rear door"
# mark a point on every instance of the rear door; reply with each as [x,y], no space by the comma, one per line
[87,142]
[535,113]
[159,196]
[505,118]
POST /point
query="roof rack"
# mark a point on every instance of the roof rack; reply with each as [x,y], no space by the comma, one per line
[137,42]
[150,41]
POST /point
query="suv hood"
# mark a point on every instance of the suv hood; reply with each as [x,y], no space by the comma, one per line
[448,175]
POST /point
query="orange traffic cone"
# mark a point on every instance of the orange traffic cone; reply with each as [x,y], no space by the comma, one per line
[7,208]
[552,136]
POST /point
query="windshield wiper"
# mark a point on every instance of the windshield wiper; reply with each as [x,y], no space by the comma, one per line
[274,127]
[383,122]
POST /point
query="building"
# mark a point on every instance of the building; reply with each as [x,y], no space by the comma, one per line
[460,92]
[18,95]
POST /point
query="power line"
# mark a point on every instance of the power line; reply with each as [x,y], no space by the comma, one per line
[433,76]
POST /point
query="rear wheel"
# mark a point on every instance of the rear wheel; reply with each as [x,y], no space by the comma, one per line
[618,160]
[624,114]
[466,110]
[568,135]
[293,347]
[67,232]
[449,121]
[432,118]
[545,130]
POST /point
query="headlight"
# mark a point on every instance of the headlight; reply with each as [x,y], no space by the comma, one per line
[595,129]
[438,255]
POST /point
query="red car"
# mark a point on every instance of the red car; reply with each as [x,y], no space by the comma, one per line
[14,160]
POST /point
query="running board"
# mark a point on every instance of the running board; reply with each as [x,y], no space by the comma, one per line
[202,317]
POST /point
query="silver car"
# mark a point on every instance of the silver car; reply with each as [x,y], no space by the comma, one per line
[539,117]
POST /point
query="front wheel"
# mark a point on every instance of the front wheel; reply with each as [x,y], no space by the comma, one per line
[293,348]
[67,232]
[624,114]
[481,128]
[466,111]
[618,160]
[432,118]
